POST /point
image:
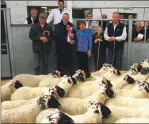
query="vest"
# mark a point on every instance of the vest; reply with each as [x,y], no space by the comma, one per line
[116,33]
[30,21]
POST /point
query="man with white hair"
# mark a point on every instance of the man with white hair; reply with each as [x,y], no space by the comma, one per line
[138,33]
[115,34]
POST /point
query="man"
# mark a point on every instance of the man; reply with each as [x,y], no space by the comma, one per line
[64,45]
[91,24]
[41,34]
[84,47]
[56,14]
[116,34]
[138,33]
[104,23]
[33,18]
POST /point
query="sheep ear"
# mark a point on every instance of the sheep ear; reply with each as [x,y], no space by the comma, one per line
[106,112]
[147,85]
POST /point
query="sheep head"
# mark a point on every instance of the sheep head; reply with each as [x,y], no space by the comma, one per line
[15,85]
[56,74]
[57,91]
[100,108]
[80,75]
[128,79]
[143,85]
[135,68]
[144,71]
[145,61]
[48,101]
[58,118]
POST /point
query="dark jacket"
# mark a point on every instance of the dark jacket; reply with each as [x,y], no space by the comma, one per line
[36,32]
[30,21]
[147,34]
[104,24]
[118,32]
[135,33]
[103,44]
[62,46]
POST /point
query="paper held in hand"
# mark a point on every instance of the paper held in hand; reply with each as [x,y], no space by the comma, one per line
[140,36]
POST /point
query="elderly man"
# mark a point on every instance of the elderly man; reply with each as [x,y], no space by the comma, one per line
[115,34]
[41,34]
[104,23]
[33,18]
[56,14]
[138,33]
[65,39]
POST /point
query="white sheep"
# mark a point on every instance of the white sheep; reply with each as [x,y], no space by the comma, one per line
[76,106]
[140,91]
[126,112]
[28,113]
[122,81]
[94,114]
[14,104]
[145,63]
[82,90]
[112,74]
[103,70]
[26,93]
[133,120]
[9,88]
[33,80]
[127,101]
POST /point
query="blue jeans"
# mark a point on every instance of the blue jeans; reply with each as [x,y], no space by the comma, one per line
[117,57]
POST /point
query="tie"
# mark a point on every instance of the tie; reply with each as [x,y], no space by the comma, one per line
[60,10]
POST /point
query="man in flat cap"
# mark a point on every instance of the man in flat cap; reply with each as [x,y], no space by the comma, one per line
[42,35]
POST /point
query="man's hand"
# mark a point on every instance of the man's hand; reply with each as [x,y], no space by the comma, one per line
[72,42]
[99,40]
[44,39]
[96,41]
[89,53]
[147,40]
[136,39]
[112,38]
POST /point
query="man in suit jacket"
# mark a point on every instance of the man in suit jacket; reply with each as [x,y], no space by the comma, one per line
[42,35]
[33,18]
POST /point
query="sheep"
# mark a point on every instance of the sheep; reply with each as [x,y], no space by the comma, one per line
[76,106]
[140,91]
[9,88]
[81,91]
[14,104]
[94,114]
[26,93]
[112,74]
[28,113]
[133,120]
[122,82]
[103,70]
[126,112]
[145,63]
[127,101]
[33,80]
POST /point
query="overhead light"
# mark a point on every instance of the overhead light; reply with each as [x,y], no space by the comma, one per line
[45,11]
[44,7]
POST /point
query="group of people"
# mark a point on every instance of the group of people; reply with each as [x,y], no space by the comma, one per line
[70,41]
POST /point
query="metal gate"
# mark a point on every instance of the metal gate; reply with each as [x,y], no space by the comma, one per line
[5,58]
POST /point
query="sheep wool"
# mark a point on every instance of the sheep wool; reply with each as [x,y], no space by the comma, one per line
[26,93]
[28,113]
[82,91]
[49,81]
[33,80]
[14,104]
[9,88]
[75,106]
[122,81]
[133,120]
[127,102]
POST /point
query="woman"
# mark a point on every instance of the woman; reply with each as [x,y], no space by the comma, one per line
[99,48]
